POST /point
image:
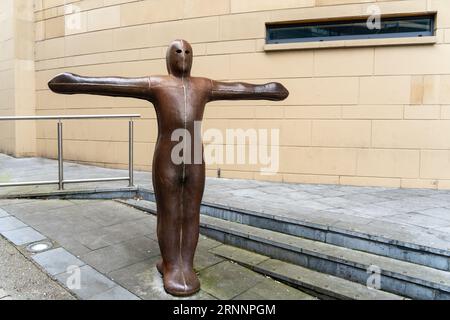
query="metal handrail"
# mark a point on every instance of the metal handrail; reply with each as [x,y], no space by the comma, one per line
[61,180]
[72,117]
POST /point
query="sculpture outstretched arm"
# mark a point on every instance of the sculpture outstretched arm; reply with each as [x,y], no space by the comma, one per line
[69,83]
[244,91]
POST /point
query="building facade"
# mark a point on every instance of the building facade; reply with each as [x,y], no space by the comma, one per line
[372,112]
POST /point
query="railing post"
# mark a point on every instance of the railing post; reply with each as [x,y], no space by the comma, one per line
[131,153]
[60,156]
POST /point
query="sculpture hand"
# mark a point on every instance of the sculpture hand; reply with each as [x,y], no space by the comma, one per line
[60,83]
[274,91]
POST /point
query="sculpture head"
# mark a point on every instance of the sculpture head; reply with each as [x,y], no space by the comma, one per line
[179,58]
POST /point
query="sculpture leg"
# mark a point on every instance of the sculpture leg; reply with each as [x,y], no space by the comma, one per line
[192,198]
[178,203]
[169,229]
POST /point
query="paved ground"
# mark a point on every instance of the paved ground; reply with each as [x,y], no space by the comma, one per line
[107,250]
[20,279]
[419,216]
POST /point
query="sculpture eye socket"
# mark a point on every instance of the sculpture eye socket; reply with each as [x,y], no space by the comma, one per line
[179,51]
[187,52]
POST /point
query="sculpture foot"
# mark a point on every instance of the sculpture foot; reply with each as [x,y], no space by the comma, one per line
[181,283]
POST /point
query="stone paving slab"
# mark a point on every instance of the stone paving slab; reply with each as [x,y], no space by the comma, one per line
[126,253]
[3,213]
[92,283]
[10,223]
[240,255]
[115,293]
[72,245]
[23,236]
[57,261]
[21,208]
[204,259]
[268,290]
[227,280]
[111,235]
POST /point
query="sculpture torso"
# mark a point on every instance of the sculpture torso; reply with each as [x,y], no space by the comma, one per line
[179,101]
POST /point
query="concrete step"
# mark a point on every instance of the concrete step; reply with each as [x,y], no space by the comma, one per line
[384,240]
[396,276]
[315,283]
[357,236]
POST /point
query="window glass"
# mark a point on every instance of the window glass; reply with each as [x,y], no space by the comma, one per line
[353,29]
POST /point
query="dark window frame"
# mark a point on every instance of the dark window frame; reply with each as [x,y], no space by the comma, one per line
[341,22]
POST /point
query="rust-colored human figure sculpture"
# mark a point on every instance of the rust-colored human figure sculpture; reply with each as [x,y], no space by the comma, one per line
[179,100]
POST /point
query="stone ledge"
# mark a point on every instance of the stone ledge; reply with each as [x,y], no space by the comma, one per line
[350,43]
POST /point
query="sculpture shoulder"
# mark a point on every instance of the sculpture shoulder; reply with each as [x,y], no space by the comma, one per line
[201,83]
[201,80]
[159,81]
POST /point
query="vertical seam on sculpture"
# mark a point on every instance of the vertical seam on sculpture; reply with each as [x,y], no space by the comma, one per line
[184,169]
